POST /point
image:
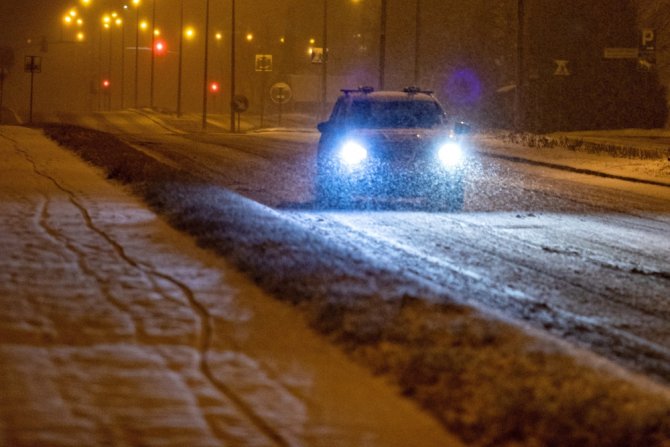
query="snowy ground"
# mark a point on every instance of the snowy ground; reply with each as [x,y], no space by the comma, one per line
[477,375]
[118,330]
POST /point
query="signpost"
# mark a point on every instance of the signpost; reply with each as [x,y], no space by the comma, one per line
[621,53]
[280,93]
[264,65]
[240,103]
[645,52]
[648,46]
[263,62]
[561,67]
[32,65]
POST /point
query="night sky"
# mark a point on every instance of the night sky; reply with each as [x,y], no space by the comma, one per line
[23,19]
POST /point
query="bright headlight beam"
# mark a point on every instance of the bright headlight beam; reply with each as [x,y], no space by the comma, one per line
[450,154]
[353,153]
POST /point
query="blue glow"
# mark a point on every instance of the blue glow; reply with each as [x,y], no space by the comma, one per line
[464,87]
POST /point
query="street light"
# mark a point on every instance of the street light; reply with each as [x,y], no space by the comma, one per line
[232,66]
[181,51]
[382,44]
[121,24]
[324,62]
[136,3]
[204,85]
[153,52]
[188,34]
[417,41]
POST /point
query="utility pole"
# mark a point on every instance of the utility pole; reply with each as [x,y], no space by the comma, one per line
[520,69]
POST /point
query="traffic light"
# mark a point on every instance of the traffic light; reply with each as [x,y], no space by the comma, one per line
[105,84]
[160,48]
[214,87]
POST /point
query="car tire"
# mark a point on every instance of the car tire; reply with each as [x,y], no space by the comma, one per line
[329,194]
[452,199]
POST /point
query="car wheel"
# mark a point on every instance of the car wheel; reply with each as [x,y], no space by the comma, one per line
[330,194]
[452,199]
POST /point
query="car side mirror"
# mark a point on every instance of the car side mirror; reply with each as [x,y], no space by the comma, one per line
[461,128]
[324,126]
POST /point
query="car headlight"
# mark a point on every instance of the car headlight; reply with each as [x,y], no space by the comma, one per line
[450,154]
[353,153]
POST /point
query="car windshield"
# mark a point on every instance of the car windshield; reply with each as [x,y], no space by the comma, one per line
[395,114]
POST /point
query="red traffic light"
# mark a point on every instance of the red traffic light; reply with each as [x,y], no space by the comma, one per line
[160,47]
[214,87]
[105,83]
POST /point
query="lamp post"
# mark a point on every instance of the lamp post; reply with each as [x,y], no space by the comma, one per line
[108,26]
[417,42]
[205,88]
[382,44]
[232,67]
[519,94]
[181,52]
[153,50]
[120,22]
[324,66]
[137,46]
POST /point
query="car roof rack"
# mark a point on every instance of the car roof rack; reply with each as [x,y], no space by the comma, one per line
[362,89]
[413,90]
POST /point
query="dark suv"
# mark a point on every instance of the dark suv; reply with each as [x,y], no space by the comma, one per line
[389,146]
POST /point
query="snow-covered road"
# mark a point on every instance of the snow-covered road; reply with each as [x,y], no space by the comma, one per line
[118,330]
[581,256]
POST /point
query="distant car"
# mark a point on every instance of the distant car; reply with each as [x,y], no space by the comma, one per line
[389,146]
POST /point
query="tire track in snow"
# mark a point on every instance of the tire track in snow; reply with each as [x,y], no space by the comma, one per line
[506,300]
[204,332]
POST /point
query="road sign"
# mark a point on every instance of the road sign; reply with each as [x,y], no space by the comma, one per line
[561,67]
[648,46]
[316,56]
[33,64]
[263,62]
[621,53]
[240,103]
[280,93]
[648,40]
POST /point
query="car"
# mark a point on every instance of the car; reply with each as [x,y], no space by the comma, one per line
[390,147]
